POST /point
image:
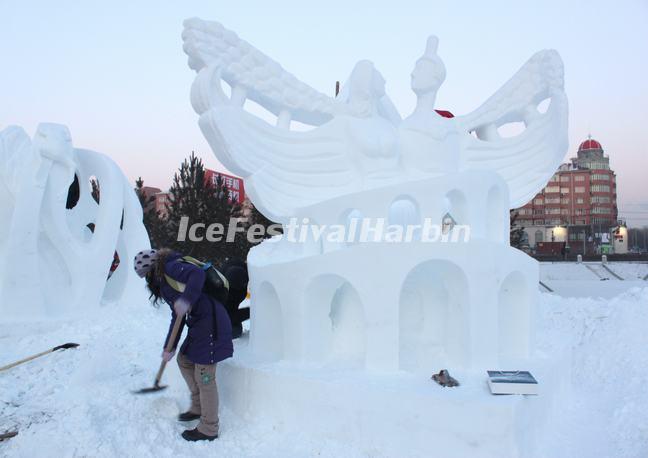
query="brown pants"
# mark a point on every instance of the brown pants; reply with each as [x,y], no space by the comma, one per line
[201,380]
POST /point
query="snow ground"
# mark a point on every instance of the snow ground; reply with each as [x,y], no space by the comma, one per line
[591,279]
[79,402]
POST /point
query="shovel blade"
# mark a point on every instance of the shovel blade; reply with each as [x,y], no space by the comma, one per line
[65,346]
[153,389]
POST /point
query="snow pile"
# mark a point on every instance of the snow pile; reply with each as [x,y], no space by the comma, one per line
[79,402]
[607,415]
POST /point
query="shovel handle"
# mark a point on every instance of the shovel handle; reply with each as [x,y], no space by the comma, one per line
[172,338]
[38,355]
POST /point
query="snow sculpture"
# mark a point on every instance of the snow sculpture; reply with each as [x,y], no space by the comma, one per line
[62,251]
[429,304]
[404,309]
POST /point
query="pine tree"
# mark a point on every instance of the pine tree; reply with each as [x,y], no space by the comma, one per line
[518,237]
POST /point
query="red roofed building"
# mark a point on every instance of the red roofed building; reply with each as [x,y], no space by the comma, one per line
[581,196]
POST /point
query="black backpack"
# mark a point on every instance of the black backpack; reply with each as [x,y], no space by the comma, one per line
[216,285]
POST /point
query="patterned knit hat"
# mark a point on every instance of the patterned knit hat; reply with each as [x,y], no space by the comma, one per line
[144,261]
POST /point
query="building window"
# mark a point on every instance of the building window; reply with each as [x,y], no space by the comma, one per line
[600,188]
[600,176]
[550,189]
[564,190]
[579,189]
[564,201]
[552,200]
[538,201]
[600,199]
[580,200]
[600,211]
[579,178]
[564,179]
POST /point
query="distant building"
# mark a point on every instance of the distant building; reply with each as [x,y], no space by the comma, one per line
[578,205]
[234,184]
[159,201]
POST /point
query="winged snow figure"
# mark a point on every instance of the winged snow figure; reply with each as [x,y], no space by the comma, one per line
[433,144]
[358,140]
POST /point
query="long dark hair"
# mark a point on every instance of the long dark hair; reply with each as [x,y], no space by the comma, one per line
[155,276]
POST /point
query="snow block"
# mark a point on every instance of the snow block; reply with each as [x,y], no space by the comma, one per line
[392,414]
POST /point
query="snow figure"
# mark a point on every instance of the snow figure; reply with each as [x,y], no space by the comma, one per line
[381,307]
[63,249]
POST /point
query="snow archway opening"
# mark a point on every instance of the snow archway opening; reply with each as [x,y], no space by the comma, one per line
[267,326]
[433,318]
[336,323]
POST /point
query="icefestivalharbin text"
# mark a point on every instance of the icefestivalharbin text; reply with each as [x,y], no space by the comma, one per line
[382,307]
[364,230]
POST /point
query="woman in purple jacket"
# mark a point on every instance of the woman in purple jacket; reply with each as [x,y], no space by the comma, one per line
[209,339]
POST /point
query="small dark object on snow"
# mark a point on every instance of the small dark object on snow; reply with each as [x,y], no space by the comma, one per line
[8,435]
[153,389]
[188,416]
[444,378]
[193,435]
[65,346]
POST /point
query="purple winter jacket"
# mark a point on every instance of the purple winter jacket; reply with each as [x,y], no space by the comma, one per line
[209,338]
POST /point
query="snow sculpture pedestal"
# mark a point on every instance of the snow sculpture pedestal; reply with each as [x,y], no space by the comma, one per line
[392,414]
[417,306]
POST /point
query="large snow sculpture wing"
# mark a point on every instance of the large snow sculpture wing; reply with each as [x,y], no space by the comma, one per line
[252,74]
[527,160]
[283,169]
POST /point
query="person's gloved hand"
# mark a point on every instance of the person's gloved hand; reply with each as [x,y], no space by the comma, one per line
[168,355]
[181,307]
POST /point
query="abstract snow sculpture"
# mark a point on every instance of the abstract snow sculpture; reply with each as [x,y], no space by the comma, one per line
[62,251]
[407,309]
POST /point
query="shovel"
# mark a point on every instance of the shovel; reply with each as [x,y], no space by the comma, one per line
[172,338]
[38,355]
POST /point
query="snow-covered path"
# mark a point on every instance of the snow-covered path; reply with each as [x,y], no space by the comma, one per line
[79,402]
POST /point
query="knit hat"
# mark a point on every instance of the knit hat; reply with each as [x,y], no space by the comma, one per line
[144,261]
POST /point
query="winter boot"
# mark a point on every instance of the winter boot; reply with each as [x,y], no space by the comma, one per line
[188,416]
[193,435]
